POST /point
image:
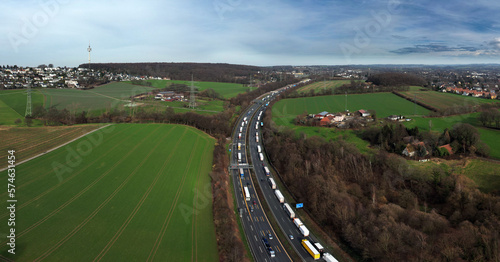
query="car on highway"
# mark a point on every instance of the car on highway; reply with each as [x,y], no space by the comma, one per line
[291,237]
[251,208]
[270,236]
[254,203]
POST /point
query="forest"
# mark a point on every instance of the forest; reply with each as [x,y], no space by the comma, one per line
[396,79]
[183,71]
[380,207]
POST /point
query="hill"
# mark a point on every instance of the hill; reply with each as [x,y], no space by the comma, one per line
[183,71]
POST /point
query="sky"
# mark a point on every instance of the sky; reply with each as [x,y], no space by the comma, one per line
[258,32]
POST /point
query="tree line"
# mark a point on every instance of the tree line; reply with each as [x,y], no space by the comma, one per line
[463,138]
[217,124]
[381,207]
[396,79]
[183,71]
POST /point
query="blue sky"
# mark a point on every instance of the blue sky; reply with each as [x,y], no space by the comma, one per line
[259,32]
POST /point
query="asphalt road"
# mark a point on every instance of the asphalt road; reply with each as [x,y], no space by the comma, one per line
[256,225]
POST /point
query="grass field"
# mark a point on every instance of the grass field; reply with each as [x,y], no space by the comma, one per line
[31,141]
[7,114]
[385,104]
[443,101]
[227,90]
[324,84]
[16,99]
[140,192]
[100,98]
[485,174]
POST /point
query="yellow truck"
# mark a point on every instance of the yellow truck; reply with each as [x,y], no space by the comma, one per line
[310,249]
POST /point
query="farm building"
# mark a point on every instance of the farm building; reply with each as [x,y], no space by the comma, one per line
[363,113]
[321,115]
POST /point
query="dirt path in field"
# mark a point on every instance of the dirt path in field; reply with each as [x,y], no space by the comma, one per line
[57,147]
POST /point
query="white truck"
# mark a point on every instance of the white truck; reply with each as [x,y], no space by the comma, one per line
[239,136]
[289,210]
[257,139]
[261,156]
[329,258]
[304,231]
[259,149]
[297,222]
[279,196]
[272,183]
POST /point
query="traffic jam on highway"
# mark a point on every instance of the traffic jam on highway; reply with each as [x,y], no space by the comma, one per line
[284,214]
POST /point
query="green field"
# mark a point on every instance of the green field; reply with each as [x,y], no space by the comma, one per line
[332,84]
[100,98]
[485,174]
[16,99]
[385,104]
[203,106]
[134,193]
[227,90]
[443,101]
[7,114]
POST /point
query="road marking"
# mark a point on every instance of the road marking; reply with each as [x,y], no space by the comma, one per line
[251,227]
[260,248]
[255,237]
[279,250]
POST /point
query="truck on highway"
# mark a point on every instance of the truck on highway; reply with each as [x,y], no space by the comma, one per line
[239,157]
[243,124]
[241,129]
[239,146]
[266,170]
[304,231]
[242,174]
[329,258]
[289,210]
[247,194]
[245,119]
[257,139]
[259,149]
[319,247]
[256,125]
[310,249]
[239,136]
[297,222]
[261,156]
[279,196]
[272,183]
[261,123]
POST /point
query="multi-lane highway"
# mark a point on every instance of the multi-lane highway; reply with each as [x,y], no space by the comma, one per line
[254,220]
[255,223]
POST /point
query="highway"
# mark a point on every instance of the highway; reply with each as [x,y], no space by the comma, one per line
[256,225]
